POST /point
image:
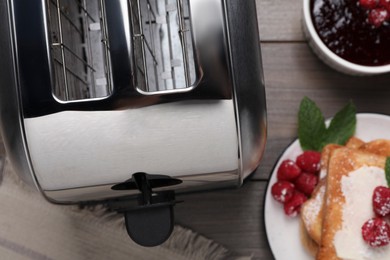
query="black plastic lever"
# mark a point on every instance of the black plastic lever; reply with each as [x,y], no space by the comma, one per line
[151,222]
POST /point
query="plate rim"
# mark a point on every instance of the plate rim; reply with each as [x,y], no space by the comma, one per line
[363,114]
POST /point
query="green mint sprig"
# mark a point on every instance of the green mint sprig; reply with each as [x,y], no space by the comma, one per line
[387,171]
[312,131]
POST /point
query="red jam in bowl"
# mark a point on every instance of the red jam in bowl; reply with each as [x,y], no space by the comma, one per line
[347,29]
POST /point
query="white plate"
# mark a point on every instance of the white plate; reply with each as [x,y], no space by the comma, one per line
[282,231]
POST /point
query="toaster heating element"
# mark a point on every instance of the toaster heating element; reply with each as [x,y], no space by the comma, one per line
[131,101]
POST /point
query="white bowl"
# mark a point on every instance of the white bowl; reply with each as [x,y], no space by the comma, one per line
[330,58]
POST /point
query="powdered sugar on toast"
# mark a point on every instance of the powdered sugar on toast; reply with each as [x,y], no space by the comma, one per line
[313,208]
[357,188]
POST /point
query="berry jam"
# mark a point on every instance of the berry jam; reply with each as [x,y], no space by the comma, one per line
[344,28]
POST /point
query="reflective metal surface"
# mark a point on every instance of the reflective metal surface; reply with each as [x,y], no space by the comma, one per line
[93,148]
[105,192]
[10,107]
[247,72]
[210,134]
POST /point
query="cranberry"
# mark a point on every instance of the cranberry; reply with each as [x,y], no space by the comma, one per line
[288,171]
[368,4]
[282,191]
[306,183]
[376,232]
[309,161]
[293,206]
[377,16]
[381,201]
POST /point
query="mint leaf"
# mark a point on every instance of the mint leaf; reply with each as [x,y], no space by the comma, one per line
[312,132]
[342,126]
[311,125]
[387,171]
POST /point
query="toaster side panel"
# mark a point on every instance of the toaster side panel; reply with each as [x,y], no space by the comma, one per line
[10,113]
[249,91]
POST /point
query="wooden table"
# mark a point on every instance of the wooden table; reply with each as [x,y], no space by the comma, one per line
[235,217]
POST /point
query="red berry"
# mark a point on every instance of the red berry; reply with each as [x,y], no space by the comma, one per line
[306,183]
[282,191]
[377,16]
[309,161]
[376,232]
[368,4]
[385,4]
[293,206]
[381,201]
[288,171]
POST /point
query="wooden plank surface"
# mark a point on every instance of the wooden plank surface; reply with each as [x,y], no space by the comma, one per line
[233,218]
[280,20]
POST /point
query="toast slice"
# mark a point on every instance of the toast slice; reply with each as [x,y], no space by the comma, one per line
[325,156]
[379,146]
[308,243]
[352,177]
[312,212]
[312,209]
[311,222]
[354,143]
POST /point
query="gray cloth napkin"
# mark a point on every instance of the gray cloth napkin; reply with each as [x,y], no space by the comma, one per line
[32,228]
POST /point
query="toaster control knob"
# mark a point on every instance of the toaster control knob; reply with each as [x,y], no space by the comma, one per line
[151,222]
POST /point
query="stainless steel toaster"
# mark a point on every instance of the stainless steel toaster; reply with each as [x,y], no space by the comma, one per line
[131,101]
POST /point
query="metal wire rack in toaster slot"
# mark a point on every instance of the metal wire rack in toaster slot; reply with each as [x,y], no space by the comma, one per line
[163,46]
[160,38]
[79,49]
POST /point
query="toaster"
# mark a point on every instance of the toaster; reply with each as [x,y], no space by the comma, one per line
[131,101]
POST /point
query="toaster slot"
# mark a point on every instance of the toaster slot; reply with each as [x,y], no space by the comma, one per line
[162,45]
[79,49]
